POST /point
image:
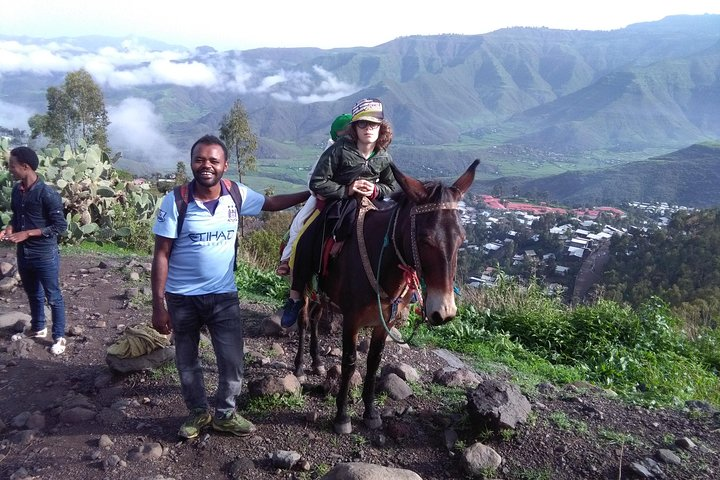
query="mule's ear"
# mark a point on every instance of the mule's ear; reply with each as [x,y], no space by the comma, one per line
[413,188]
[466,179]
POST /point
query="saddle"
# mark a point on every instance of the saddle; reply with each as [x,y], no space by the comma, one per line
[343,216]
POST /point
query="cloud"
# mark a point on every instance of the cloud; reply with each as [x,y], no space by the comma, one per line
[267,83]
[136,131]
[240,77]
[319,85]
[133,54]
[158,72]
[328,89]
[15,57]
[14,116]
[132,65]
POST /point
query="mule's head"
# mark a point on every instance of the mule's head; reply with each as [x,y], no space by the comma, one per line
[434,236]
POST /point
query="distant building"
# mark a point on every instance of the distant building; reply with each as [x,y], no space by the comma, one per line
[558,230]
[562,271]
[491,248]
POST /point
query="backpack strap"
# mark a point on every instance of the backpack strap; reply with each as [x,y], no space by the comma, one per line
[181,202]
[234,190]
[182,194]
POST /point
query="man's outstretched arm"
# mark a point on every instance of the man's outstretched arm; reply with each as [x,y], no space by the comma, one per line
[281,202]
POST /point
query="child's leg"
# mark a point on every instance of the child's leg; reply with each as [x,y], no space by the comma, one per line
[297,225]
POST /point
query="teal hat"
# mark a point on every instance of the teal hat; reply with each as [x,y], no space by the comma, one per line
[339,124]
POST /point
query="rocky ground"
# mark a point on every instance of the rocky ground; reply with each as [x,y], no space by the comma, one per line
[72,417]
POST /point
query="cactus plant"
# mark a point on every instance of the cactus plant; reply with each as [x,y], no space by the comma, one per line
[95,199]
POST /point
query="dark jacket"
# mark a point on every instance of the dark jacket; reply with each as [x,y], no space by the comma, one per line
[40,207]
[342,164]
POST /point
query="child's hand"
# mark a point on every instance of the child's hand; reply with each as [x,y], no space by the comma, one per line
[363,187]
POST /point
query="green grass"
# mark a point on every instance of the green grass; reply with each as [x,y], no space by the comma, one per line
[207,353]
[141,300]
[563,422]
[359,440]
[319,471]
[642,354]
[532,474]
[257,284]
[109,249]
[452,398]
[167,370]
[617,438]
[268,403]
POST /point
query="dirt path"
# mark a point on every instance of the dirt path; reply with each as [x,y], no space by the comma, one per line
[591,271]
[145,408]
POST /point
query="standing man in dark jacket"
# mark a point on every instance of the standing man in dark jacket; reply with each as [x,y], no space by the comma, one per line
[37,221]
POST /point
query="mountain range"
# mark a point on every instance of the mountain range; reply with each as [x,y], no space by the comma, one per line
[687,177]
[541,108]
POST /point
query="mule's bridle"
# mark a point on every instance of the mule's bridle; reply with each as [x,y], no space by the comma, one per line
[416,266]
[411,273]
[414,211]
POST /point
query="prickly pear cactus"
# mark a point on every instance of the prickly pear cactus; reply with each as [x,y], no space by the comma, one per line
[98,204]
[6,182]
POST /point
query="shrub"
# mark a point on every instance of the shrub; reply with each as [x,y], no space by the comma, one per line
[642,353]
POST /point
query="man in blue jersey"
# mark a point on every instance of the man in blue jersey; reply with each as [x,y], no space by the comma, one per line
[193,284]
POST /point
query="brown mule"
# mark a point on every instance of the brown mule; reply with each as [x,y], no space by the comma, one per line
[421,234]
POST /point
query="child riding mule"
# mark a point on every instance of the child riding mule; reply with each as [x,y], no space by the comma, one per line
[378,272]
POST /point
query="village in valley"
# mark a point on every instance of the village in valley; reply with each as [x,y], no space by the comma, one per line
[564,249]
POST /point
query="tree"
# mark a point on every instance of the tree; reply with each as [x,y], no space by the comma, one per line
[241,141]
[180,174]
[76,112]
[497,190]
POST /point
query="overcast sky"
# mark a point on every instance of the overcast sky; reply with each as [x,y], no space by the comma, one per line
[241,25]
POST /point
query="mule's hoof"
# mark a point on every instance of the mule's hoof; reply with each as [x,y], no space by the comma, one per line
[320,371]
[301,378]
[373,423]
[343,428]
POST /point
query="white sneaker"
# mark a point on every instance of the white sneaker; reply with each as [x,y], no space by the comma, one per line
[30,334]
[58,347]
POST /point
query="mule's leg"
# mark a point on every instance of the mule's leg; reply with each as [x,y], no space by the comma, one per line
[377,345]
[350,331]
[301,326]
[315,312]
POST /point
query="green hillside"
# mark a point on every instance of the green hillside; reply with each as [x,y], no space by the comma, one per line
[689,177]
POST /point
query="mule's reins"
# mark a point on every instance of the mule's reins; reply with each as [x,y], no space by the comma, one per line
[411,274]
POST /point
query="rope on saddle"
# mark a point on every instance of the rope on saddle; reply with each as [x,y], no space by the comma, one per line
[365,206]
[381,295]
